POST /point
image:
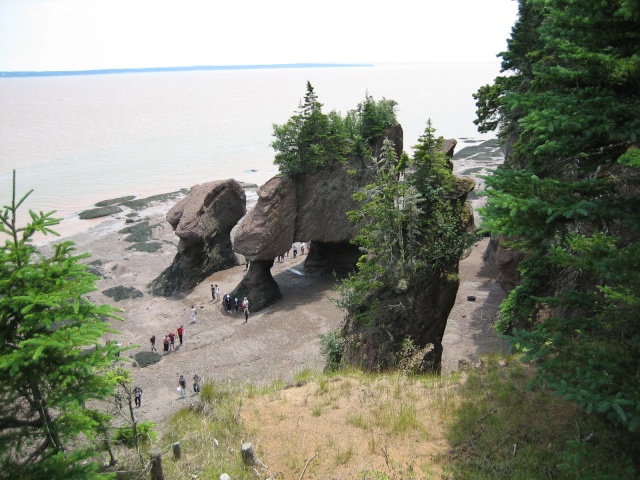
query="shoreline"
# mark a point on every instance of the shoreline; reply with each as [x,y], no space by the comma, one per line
[73,225]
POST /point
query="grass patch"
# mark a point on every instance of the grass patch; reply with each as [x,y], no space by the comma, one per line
[484,424]
[502,429]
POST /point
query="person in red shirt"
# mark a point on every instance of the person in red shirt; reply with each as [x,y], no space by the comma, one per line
[180,333]
[172,339]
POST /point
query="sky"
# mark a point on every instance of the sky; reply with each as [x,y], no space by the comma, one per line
[41,35]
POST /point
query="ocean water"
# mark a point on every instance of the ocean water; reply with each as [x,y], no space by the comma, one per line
[77,140]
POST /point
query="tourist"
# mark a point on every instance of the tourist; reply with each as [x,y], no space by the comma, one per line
[180,333]
[172,340]
[236,303]
[213,293]
[194,313]
[153,343]
[245,308]
[166,342]
[182,385]
[227,302]
[217,293]
[302,248]
[137,394]
[196,384]
[295,250]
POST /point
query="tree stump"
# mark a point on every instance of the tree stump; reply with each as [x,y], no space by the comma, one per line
[249,454]
[156,465]
[177,452]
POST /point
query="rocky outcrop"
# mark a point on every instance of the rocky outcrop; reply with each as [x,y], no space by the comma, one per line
[417,310]
[203,221]
[308,208]
[506,262]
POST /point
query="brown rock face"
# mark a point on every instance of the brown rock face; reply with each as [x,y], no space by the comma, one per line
[417,310]
[309,208]
[506,261]
[203,221]
[267,230]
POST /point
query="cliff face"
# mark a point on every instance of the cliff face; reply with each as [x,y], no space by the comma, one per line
[307,208]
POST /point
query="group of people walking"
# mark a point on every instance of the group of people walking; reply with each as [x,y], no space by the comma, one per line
[169,340]
[182,385]
[294,247]
[229,303]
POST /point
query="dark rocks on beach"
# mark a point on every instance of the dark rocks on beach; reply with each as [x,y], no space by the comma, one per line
[486,151]
[99,212]
[142,203]
[114,201]
[122,293]
[148,247]
[144,359]
[203,221]
[140,232]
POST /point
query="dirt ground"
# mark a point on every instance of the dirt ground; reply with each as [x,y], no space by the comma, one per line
[274,344]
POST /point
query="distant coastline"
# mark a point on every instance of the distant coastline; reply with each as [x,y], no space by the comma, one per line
[111,71]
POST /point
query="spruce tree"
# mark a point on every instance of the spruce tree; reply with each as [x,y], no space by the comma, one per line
[52,362]
[568,197]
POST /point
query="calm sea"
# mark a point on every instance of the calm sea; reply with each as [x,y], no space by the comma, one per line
[77,140]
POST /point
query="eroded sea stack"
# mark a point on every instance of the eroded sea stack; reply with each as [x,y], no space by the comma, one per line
[203,221]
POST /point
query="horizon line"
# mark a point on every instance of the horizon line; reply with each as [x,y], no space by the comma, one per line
[108,71]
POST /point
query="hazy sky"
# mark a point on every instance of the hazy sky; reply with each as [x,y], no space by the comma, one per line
[88,34]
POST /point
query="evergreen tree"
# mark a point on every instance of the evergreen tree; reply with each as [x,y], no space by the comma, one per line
[311,140]
[568,196]
[51,363]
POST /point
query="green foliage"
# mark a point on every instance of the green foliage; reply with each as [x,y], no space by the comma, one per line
[505,427]
[630,158]
[375,117]
[407,222]
[51,362]
[127,437]
[311,140]
[332,349]
[431,165]
[568,196]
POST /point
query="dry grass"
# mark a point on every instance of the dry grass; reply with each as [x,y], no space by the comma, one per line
[483,424]
[352,426]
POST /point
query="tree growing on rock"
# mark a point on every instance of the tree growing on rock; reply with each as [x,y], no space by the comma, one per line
[411,236]
[311,140]
[51,362]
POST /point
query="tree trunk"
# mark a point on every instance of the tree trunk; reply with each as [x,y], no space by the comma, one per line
[156,465]
[249,454]
[177,452]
